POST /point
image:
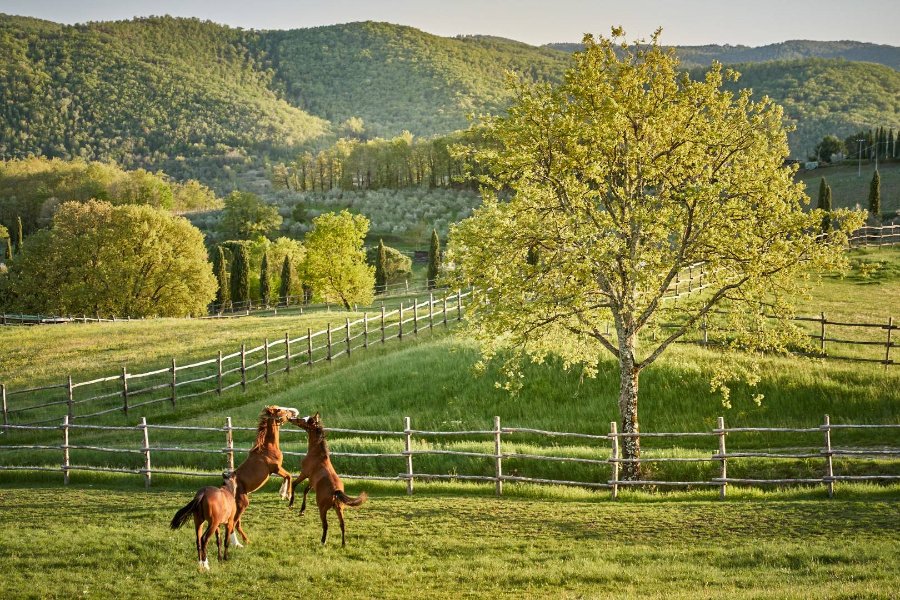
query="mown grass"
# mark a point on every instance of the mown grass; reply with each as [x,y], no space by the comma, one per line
[108,542]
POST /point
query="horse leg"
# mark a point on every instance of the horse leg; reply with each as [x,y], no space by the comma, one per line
[242,502]
[323,514]
[229,531]
[218,545]
[198,524]
[339,509]
[303,506]
[204,541]
[297,481]
[286,484]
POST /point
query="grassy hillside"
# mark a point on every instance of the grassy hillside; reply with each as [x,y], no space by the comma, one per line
[849,190]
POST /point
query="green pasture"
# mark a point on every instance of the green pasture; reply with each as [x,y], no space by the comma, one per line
[849,190]
[104,541]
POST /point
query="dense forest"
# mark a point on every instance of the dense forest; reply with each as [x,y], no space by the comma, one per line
[200,100]
[702,56]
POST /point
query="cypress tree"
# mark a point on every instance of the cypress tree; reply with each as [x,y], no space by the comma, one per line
[18,234]
[380,260]
[434,259]
[824,203]
[240,274]
[891,149]
[265,286]
[875,196]
[286,281]
[222,294]
[9,249]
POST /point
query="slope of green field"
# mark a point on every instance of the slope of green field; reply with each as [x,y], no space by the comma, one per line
[850,185]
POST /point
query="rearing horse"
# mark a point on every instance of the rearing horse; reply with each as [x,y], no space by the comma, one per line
[316,466]
[264,460]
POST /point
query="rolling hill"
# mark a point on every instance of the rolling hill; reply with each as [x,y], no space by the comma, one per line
[192,97]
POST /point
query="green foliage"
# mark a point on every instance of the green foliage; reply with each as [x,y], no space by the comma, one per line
[155,90]
[265,283]
[824,205]
[829,146]
[434,259]
[336,260]
[247,216]
[223,291]
[114,260]
[380,267]
[287,274]
[240,272]
[34,187]
[875,196]
[391,265]
[626,153]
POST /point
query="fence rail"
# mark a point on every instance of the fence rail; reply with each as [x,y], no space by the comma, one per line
[496,459]
[127,391]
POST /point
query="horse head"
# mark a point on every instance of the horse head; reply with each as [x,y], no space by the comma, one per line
[229,482]
[280,414]
[313,423]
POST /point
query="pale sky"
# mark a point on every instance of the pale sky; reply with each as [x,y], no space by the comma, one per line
[685,22]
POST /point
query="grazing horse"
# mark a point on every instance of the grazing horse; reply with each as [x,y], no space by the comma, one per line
[264,459]
[215,506]
[316,466]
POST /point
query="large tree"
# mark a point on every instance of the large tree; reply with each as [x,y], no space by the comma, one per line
[240,274]
[126,260]
[875,197]
[336,265]
[220,271]
[247,216]
[602,190]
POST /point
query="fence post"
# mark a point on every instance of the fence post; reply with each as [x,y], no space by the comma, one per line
[887,346]
[445,309]
[174,382]
[409,456]
[329,341]
[365,330]
[229,444]
[829,467]
[459,305]
[70,398]
[720,424]
[822,335]
[416,316]
[431,311]
[287,353]
[347,335]
[382,323]
[219,374]
[65,465]
[614,459]
[266,359]
[309,346]
[5,408]
[498,470]
[243,367]
[146,452]
[124,389]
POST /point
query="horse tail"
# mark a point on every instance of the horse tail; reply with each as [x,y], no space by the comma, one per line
[343,498]
[185,513]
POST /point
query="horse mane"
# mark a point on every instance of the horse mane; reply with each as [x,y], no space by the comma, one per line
[261,429]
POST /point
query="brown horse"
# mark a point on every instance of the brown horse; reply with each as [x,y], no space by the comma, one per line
[215,506]
[316,466]
[264,460]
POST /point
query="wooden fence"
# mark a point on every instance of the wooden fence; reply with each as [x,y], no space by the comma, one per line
[126,391]
[720,454]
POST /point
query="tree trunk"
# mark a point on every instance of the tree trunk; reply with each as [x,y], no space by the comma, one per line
[628,411]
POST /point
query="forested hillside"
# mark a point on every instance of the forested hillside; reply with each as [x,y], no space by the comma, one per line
[399,78]
[701,56]
[193,97]
[142,92]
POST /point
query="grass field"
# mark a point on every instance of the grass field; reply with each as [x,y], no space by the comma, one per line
[107,542]
[849,190]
